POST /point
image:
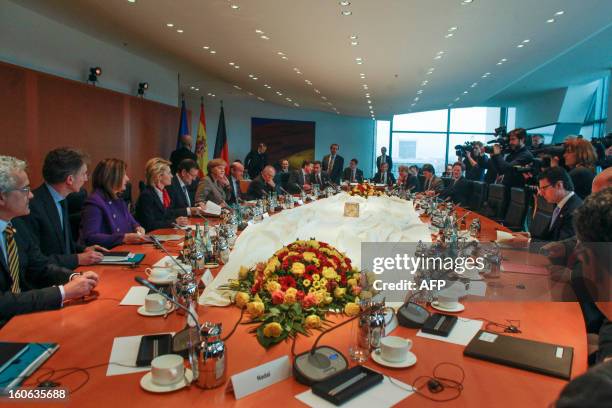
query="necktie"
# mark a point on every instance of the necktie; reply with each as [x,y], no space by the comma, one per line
[353,176]
[384,180]
[66,226]
[12,256]
[166,198]
[318,178]
[187,196]
[554,217]
[330,165]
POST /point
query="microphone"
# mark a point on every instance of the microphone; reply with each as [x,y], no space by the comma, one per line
[283,190]
[159,245]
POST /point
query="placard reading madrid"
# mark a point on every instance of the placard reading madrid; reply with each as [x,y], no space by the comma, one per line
[397,270]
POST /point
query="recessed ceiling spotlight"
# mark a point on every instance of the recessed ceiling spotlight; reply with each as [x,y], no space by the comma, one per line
[503,60]
[416,98]
[258,31]
[132,1]
[267,86]
[412,104]
[206,47]
[308,82]
[440,53]
[420,91]
[251,75]
[264,37]
[280,53]
[197,89]
[288,99]
[559,13]
[359,62]
[353,37]
[486,74]
[465,2]
[457,98]
[279,93]
[255,78]
[550,20]
[192,87]
[296,69]
[520,46]
[329,103]
[284,57]
[232,64]
[324,98]
[465,92]
[526,41]
[237,87]
[169,25]
[180,31]
[453,28]
[499,63]
[297,105]
[235,6]
[369,101]
[424,83]
[474,85]
[260,98]
[317,91]
[437,57]
[449,35]
[237,66]
[250,93]
[346,12]
[358,59]
[354,43]
[213,51]
[345,3]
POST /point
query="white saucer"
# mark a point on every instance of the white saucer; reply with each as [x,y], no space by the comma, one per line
[459,308]
[471,276]
[170,279]
[141,311]
[147,384]
[410,360]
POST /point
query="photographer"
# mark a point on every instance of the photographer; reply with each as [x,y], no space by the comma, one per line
[537,142]
[476,162]
[518,155]
[580,158]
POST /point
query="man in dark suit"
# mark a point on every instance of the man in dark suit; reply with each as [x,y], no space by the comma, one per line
[384,158]
[182,153]
[333,164]
[64,172]
[300,179]
[352,174]
[180,191]
[457,190]
[263,184]
[384,176]
[236,173]
[282,173]
[256,160]
[318,176]
[28,281]
[432,184]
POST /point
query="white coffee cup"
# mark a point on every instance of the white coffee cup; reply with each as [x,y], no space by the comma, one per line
[448,298]
[159,273]
[154,303]
[177,269]
[167,369]
[394,349]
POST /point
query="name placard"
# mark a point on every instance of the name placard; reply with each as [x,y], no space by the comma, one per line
[260,377]
[351,209]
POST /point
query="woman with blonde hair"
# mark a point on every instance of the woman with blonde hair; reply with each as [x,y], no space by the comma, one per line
[154,207]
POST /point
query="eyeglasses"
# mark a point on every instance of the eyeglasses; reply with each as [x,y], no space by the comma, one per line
[542,188]
[25,190]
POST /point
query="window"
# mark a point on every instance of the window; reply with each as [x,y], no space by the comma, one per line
[476,120]
[511,119]
[419,148]
[431,121]
[407,149]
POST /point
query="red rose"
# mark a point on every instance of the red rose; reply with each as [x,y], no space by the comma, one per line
[310,269]
[331,285]
[299,295]
[287,282]
[309,301]
[278,297]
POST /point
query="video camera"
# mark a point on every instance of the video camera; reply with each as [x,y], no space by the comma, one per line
[460,150]
[501,138]
[543,158]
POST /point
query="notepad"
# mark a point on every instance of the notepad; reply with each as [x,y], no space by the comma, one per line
[523,268]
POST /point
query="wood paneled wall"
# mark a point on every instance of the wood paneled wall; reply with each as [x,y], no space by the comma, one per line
[39,112]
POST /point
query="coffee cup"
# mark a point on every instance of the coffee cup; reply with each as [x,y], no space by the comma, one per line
[159,273]
[154,303]
[178,270]
[448,298]
[167,369]
[394,349]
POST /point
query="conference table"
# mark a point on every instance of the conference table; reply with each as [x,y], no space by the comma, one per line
[85,331]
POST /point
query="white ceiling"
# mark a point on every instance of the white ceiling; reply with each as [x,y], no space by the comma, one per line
[398,41]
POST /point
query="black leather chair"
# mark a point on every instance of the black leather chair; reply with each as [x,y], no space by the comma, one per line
[421,181]
[75,203]
[541,219]
[496,202]
[478,196]
[517,209]
[446,181]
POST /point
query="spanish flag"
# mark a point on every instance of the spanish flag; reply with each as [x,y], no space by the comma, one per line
[201,149]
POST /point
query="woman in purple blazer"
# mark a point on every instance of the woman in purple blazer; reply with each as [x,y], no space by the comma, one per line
[106,219]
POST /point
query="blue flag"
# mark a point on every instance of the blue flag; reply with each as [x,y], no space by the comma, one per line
[183,126]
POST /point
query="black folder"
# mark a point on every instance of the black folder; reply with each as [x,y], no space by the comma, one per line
[544,358]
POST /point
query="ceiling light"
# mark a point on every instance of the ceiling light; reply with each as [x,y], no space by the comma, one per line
[437,57]
[550,20]
[258,32]
[236,66]
[449,35]
[308,82]
[359,62]
[280,53]
[345,3]
[250,93]
[235,6]
[424,83]
[420,91]
[499,63]
[358,59]
[440,53]
[354,43]
[232,64]
[369,101]
[180,31]
[284,58]
[457,98]
[255,78]
[132,1]
[297,105]
[251,75]
[197,89]
[279,93]
[260,98]
[353,37]
[324,98]
[465,2]
[264,37]
[346,12]
[192,87]
[296,69]
[474,85]
[288,99]
[559,13]
[213,51]
[525,41]
[267,86]
[367,95]
[317,91]
[412,104]
[453,28]
[520,46]
[503,60]
[237,87]
[169,25]
[465,92]
[416,98]
[486,75]
[206,47]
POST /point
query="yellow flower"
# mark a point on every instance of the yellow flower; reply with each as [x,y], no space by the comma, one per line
[351,282]
[243,273]
[309,256]
[319,297]
[328,300]
[273,264]
[316,284]
[312,289]
[272,330]
[255,309]
[291,296]
[313,244]
[329,273]
[352,309]
[242,298]
[293,253]
[273,286]
[323,283]
[312,322]
[306,283]
[315,277]
[339,292]
[298,268]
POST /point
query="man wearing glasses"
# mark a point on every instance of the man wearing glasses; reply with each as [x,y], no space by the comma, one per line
[28,282]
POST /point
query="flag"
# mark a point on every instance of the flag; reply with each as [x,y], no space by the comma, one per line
[201,143]
[183,126]
[221,150]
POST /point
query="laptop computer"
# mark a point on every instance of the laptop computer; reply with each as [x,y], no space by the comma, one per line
[544,358]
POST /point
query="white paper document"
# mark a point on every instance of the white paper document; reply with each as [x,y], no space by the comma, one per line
[462,333]
[124,352]
[385,394]
[135,296]
[212,208]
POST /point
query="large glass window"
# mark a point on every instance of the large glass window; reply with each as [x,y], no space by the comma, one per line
[431,121]
[418,148]
[476,120]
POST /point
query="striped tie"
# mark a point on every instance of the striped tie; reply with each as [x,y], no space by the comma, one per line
[12,257]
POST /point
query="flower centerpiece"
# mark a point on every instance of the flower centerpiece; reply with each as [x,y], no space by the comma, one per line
[291,293]
[364,189]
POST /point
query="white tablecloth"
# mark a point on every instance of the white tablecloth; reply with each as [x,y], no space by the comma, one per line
[381,219]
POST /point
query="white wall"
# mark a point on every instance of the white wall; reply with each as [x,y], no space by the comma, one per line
[34,41]
[541,109]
